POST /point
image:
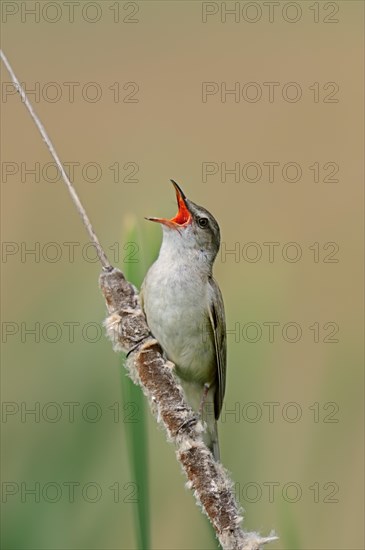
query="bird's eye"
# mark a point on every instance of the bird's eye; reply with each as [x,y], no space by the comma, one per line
[203,222]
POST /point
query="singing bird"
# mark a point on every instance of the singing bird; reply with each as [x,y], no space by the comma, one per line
[184,309]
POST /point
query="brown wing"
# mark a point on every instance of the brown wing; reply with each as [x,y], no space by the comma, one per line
[218,322]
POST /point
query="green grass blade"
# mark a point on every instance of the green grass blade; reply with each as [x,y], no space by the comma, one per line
[137,449]
[135,264]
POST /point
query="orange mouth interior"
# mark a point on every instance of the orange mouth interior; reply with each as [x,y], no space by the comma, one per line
[183,216]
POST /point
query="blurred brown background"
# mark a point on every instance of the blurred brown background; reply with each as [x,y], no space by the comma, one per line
[120,88]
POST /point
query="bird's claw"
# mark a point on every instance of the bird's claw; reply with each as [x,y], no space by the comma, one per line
[188,423]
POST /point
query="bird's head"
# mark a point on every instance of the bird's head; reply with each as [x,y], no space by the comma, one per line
[192,229]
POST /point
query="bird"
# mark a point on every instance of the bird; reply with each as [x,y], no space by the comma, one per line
[184,309]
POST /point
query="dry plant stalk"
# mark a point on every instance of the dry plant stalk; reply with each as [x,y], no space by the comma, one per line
[126,326]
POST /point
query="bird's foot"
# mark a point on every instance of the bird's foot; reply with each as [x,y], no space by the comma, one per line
[188,423]
[204,397]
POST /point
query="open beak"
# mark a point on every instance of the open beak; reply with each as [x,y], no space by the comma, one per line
[183,216]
